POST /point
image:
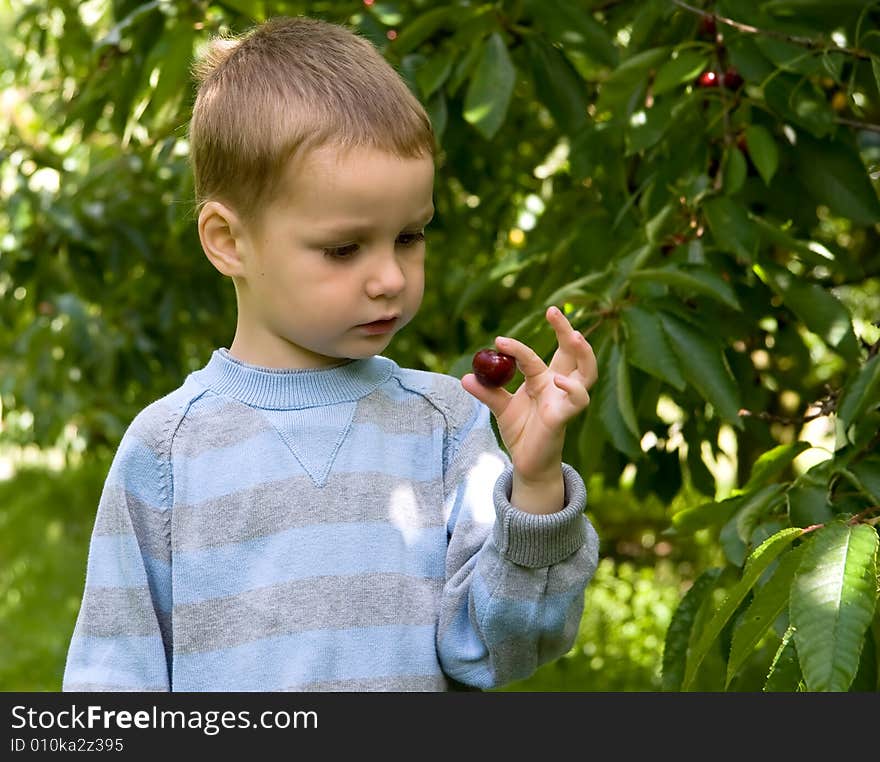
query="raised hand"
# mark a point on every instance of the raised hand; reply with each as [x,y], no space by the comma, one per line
[532,420]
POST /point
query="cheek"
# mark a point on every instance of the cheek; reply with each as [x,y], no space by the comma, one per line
[416,281]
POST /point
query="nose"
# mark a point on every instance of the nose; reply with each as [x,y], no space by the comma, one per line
[386,276]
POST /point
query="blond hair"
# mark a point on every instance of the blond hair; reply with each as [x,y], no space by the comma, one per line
[285,87]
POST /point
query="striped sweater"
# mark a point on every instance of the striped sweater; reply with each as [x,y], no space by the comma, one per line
[346,528]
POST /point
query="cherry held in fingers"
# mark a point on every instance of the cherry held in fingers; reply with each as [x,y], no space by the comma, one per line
[493,368]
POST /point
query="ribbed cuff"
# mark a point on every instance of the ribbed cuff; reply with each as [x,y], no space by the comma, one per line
[536,540]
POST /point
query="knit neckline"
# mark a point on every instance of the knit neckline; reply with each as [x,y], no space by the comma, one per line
[288,389]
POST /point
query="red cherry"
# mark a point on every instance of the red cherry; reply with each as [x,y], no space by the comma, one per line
[673,242]
[732,79]
[493,368]
[708,28]
[708,79]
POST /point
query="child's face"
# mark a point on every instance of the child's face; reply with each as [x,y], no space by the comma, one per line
[340,247]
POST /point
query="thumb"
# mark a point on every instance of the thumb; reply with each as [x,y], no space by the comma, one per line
[495,399]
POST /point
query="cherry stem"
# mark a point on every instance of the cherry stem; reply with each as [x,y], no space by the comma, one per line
[857,519]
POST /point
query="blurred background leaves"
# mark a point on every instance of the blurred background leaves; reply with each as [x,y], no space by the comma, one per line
[695,184]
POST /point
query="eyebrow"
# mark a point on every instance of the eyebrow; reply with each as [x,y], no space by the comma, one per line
[344,228]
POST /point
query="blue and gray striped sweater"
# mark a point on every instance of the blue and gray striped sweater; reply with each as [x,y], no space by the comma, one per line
[336,529]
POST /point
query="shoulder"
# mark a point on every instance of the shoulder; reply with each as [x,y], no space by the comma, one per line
[156,424]
[445,393]
[143,458]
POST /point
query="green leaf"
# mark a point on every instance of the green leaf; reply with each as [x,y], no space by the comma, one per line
[249,8]
[817,307]
[808,505]
[115,35]
[678,634]
[417,31]
[387,13]
[875,67]
[650,349]
[772,463]
[787,55]
[769,602]
[734,170]
[834,175]
[785,670]
[590,150]
[832,603]
[660,223]
[574,28]
[705,367]
[463,69]
[657,120]
[867,471]
[861,392]
[700,476]
[684,67]
[732,228]
[748,58]
[755,506]
[575,288]
[763,151]
[771,233]
[172,55]
[591,439]
[558,86]
[865,680]
[692,280]
[438,113]
[488,94]
[434,72]
[705,515]
[735,550]
[797,100]
[757,562]
[787,6]
[613,396]
[624,394]
[619,94]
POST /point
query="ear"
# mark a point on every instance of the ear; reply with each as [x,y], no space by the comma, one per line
[222,237]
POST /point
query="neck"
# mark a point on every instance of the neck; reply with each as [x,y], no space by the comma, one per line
[285,389]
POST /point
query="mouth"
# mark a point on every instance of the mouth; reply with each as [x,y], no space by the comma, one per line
[380,326]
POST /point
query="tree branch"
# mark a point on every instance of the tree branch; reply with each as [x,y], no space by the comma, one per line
[826,405]
[860,125]
[807,42]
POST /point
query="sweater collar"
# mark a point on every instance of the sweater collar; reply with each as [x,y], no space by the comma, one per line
[286,389]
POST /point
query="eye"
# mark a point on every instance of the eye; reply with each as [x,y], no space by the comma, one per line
[411,239]
[342,252]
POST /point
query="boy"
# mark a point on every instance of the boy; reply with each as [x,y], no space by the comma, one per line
[302,513]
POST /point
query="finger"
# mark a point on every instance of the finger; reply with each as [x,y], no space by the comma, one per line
[565,359]
[575,356]
[587,365]
[578,394]
[496,399]
[529,363]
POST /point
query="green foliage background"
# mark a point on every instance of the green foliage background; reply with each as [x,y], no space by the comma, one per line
[718,245]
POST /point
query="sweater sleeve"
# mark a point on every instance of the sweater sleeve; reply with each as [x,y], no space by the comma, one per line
[515,581]
[122,637]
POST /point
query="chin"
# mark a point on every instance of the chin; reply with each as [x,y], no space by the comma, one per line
[367,353]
